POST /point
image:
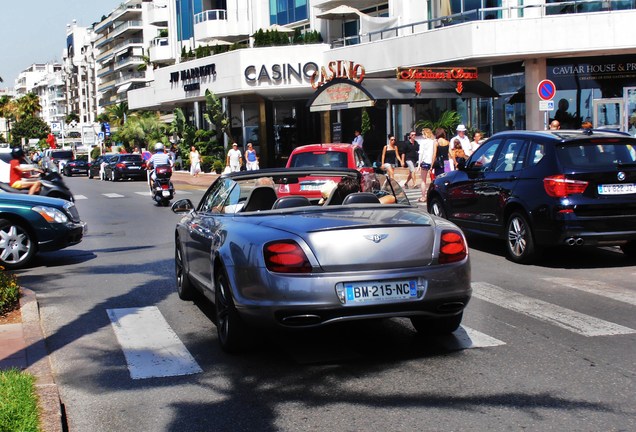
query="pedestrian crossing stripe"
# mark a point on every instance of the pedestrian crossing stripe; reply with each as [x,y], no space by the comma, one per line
[79,197]
[565,318]
[113,195]
[151,348]
[596,287]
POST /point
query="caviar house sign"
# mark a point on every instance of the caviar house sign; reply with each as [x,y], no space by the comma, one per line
[457,74]
[188,75]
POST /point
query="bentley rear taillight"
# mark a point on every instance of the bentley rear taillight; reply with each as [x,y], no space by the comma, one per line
[286,257]
[452,248]
[560,187]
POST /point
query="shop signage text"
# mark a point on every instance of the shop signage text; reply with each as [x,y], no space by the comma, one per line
[193,73]
[437,74]
[280,72]
[338,69]
[588,69]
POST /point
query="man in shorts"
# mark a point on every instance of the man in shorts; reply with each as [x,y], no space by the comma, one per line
[234,158]
[410,155]
[21,174]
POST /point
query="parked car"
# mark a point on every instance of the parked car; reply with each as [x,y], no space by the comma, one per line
[326,156]
[31,223]
[55,159]
[125,166]
[536,189]
[95,164]
[280,261]
[76,166]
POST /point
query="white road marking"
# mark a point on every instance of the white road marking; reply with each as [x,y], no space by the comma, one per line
[151,347]
[113,195]
[146,193]
[467,338]
[565,318]
[598,288]
[79,197]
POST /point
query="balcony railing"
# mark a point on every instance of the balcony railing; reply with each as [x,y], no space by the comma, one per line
[488,13]
[211,15]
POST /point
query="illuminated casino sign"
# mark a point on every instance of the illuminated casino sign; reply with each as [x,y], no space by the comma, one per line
[343,69]
[418,74]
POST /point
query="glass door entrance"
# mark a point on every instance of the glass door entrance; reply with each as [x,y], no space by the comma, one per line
[608,114]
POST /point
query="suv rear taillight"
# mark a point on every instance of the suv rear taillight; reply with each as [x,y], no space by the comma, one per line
[453,248]
[121,165]
[286,257]
[560,187]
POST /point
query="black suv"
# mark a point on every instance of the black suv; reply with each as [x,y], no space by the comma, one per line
[550,188]
[124,166]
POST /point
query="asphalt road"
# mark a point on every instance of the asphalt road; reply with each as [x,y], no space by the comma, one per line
[548,347]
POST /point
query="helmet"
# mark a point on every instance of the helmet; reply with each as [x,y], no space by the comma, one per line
[158,147]
[17,152]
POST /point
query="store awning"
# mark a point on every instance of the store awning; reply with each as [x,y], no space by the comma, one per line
[340,94]
[393,89]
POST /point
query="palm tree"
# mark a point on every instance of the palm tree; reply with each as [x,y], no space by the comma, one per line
[117,113]
[29,105]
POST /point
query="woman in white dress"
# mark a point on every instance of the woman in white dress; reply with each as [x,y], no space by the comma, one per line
[195,162]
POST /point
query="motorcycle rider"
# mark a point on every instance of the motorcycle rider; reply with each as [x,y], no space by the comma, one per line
[21,176]
[159,158]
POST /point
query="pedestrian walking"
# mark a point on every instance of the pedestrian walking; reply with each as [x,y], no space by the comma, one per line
[442,163]
[410,152]
[195,162]
[463,139]
[390,156]
[234,158]
[251,160]
[427,154]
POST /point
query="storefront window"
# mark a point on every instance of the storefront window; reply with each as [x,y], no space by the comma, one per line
[509,110]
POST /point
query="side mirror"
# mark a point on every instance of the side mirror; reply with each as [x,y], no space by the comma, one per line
[182,206]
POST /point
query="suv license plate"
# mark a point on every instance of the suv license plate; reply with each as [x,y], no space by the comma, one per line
[617,189]
[379,291]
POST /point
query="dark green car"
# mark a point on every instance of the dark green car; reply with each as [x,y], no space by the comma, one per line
[30,224]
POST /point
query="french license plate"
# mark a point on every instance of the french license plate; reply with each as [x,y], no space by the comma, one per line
[311,187]
[134,167]
[379,291]
[617,189]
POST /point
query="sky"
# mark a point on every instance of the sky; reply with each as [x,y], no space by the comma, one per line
[34,31]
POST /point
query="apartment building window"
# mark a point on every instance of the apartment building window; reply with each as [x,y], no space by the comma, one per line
[472,10]
[558,7]
[287,11]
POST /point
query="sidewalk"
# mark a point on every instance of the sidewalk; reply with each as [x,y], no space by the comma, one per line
[22,346]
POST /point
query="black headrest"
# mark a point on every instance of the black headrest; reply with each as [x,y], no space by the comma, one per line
[291,201]
[361,198]
[261,198]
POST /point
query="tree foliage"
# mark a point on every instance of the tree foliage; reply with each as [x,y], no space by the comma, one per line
[30,127]
[141,130]
[447,121]
[216,117]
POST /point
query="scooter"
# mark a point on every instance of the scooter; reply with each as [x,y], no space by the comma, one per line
[162,189]
[52,186]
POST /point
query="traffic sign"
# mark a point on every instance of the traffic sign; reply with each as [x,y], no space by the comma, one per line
[546,105]
[546,90]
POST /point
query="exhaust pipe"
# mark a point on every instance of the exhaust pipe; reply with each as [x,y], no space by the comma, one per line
[578,241]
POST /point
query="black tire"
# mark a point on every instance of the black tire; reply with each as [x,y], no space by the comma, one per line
[17,246]
[185,290]
[520,246]
[629,249]
[231,329]
[436,208]
[437,326]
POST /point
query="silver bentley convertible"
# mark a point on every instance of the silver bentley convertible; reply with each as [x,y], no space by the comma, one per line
[300,248]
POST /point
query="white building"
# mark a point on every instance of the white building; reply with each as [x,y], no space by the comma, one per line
[51,90]
[505,49]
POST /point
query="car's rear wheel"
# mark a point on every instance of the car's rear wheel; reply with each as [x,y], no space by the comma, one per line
[17,247]
[436,208]
[629,249]
[231,330]
[185,290]
[437,326]
[520,245]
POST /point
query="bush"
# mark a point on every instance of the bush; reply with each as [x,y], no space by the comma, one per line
[217,166]
[9,291]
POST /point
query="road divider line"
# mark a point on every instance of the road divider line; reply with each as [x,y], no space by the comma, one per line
[597,288]
[152,349]
[565,318]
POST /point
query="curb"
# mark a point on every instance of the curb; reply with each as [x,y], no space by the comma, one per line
[39,365]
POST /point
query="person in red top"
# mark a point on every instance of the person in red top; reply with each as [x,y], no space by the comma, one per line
[20,176]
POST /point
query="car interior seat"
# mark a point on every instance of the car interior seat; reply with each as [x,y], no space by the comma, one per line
[291,201]
[260,198]
[361,198]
